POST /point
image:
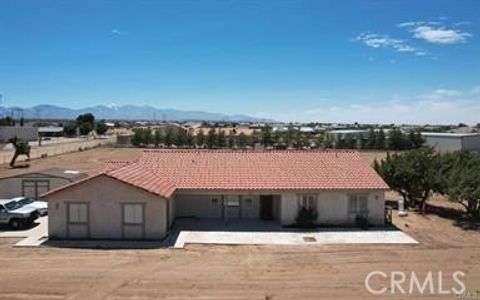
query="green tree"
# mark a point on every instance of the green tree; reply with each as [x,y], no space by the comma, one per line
[200,139]
[380,140]
[461,171]
[232,140]
[396,140]
[137,138]
[70,129]
[181,138]
[86,118]
[190,140]
[242,140]
[21,148]
[157,138]
[415,139]
[101,127]
[413,174]
[221,139]
[85,128]
[169,136]
[371,139]
[211,138]
[267,135]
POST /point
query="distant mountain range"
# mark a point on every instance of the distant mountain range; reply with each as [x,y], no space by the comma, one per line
[126,112]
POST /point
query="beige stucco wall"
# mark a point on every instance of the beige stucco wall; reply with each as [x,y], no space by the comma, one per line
[12,187]
[332,207]
[104,197]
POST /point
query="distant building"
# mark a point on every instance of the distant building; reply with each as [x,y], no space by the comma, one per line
[452,141]
[354,134]
[34,183]
[24,133]
[50,131]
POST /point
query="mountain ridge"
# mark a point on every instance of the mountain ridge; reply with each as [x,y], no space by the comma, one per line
[125,112]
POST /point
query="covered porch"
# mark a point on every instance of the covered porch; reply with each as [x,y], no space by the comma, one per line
[243,210]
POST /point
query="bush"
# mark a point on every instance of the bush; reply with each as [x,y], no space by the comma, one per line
[306,218]
[361,222]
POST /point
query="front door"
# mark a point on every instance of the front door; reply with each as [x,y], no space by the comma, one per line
[266,207]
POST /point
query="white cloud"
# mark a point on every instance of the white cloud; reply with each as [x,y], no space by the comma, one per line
[436,32]
[118,32]
[441,106]
[375,40]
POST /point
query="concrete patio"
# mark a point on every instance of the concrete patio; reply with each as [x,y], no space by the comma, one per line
[257,232]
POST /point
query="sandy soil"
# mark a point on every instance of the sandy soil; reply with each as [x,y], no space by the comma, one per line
[234,272]
[240,272]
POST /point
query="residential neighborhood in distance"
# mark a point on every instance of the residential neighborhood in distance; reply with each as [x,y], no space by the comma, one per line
[240,150]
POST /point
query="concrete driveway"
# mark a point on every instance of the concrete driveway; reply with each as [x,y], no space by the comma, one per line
[33,236]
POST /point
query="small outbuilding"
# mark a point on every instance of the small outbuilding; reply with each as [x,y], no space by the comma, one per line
[32,184]
[446,142]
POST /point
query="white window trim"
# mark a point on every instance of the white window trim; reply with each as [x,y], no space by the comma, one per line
[124,222]
[69,216]
[311,203]
[356,209]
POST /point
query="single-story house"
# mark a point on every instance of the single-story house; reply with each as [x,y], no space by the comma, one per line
[446,142]
[35,183]
[141,199]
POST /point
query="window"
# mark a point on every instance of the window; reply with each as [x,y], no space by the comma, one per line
[307,201]
[233,201]
[133,214]
[77,213]
[358,204]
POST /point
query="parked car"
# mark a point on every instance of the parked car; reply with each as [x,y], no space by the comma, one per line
[40,206]
[16,215]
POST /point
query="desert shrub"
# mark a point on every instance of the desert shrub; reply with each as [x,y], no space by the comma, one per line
[361,222]
[306,218]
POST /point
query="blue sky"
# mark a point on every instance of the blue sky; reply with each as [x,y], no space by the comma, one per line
[331,61]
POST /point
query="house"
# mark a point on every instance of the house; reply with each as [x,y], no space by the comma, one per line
[444,141]
[34,183]
[141,199]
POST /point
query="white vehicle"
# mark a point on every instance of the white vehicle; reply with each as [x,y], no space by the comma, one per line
[16,215]
[40,206]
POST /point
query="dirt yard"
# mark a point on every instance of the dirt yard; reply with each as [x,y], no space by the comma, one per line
[241,272]
[236,272]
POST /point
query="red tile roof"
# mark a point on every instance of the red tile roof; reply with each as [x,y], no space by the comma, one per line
[164,171]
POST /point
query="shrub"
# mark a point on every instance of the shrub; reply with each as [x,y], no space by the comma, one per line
[361,222]
[306,218]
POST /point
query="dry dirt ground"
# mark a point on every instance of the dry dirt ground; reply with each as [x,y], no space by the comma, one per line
[237,272]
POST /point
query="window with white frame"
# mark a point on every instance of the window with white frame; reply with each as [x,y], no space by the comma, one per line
[77,213]
[307,201]
[358,204]
[133,214]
